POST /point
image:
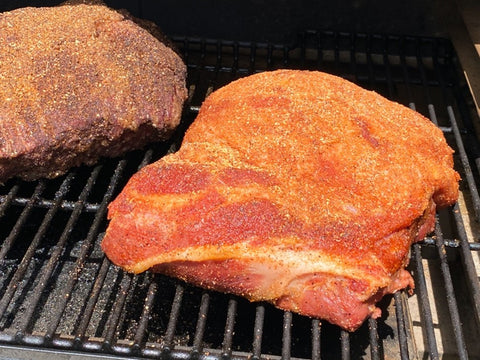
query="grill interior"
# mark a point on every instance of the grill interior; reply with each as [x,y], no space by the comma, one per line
[60,296]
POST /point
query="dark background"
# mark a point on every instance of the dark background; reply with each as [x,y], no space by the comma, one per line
[278,21]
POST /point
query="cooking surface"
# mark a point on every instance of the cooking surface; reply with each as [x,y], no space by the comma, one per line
[60,293]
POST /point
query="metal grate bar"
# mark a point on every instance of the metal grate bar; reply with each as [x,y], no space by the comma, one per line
[201,324]
[6,200]
[173,319]
[85,248]
[45,203]
[465,163]
[345,344]
[103,271]
[79,334]
[432,115]
[138,340]
[258,332]
[474,285]
[374,343]
[402,335]
[52,263]
[316,333]
[27,258]
[425,310]
[19,225]
[451,243]
[287,335]
[451,301]
[116,311]
[229,329]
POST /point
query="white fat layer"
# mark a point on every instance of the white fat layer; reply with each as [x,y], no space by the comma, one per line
[277,266]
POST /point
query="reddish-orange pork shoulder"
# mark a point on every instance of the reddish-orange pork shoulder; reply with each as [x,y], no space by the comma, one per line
[293,187]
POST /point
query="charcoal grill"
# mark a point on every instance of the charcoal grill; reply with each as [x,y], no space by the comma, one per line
[61,298]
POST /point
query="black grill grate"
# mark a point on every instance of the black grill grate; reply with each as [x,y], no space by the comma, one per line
[59,294]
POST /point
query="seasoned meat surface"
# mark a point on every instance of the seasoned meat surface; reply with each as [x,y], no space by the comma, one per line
[79,82]
[293,187]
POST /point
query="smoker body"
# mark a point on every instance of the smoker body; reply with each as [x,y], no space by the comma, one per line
[61,298]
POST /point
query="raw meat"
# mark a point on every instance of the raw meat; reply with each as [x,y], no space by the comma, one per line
[78,82]
[293,187]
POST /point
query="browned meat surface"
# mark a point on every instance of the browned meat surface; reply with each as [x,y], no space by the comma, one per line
[78,82]
[297,188]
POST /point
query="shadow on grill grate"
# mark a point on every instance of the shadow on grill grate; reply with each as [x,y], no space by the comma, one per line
[60,294]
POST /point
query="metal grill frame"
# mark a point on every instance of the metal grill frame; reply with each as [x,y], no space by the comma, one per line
[380,62]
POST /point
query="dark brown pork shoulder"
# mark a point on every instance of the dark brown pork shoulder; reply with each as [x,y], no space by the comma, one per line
[80,82]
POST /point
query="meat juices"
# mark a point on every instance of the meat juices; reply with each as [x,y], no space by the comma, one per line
[80,82]
[293,187]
